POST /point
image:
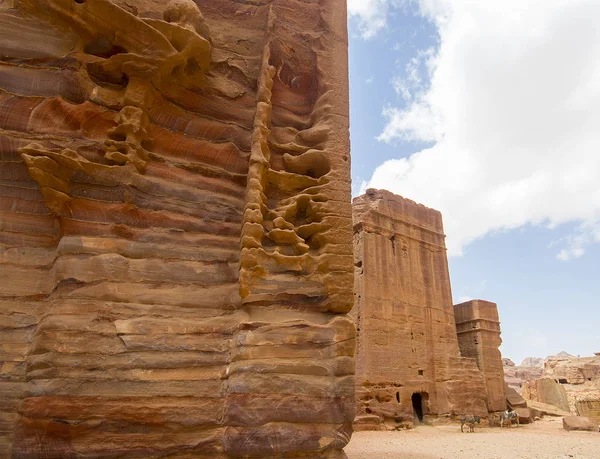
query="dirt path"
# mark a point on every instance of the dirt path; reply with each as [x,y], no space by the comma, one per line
[545,439]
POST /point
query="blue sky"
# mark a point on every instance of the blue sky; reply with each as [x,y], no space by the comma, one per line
[489,111]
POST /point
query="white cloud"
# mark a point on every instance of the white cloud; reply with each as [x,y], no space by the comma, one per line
[512,110]
[412,85]
[587,233]
[570,253]
[371,15]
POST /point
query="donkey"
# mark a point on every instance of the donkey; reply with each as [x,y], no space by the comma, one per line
[509,416]
[470,421]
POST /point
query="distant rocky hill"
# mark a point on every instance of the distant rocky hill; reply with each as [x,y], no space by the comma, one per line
[539,361]
[516,375]
[533,362]
[531,368]
[561,355]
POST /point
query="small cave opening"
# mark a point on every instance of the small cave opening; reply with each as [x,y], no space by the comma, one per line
[359,266]
[101,77]
[313,163]
[117,136]
[562,381]
[398,396]
[417,403]
[104,48]
[147,144]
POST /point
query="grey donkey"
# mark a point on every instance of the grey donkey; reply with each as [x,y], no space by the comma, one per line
[470,421]
[509,416]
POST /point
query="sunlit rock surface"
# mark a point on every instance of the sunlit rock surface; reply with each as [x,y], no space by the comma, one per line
[175,229]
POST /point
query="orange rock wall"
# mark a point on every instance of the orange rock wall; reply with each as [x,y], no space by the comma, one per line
[478,328]
[175,229]
[407,341]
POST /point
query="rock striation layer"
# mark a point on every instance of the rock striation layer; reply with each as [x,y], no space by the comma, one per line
[408,363]
[175,229]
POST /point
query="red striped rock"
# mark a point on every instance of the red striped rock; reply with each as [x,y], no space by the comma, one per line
[175,229]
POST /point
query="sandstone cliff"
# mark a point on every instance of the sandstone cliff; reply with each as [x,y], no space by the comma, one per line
[175,229]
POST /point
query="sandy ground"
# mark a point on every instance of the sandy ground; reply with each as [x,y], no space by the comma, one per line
[544,439]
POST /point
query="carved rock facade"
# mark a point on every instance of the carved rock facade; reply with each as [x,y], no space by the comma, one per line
[175,231]
[478,329]
[409,366]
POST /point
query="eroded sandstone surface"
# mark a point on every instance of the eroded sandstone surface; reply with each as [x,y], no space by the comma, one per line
[408,363]
[572,370]
[175,229]
[530,369]
[570,383]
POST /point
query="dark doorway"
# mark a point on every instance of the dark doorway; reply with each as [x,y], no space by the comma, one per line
[417,403]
